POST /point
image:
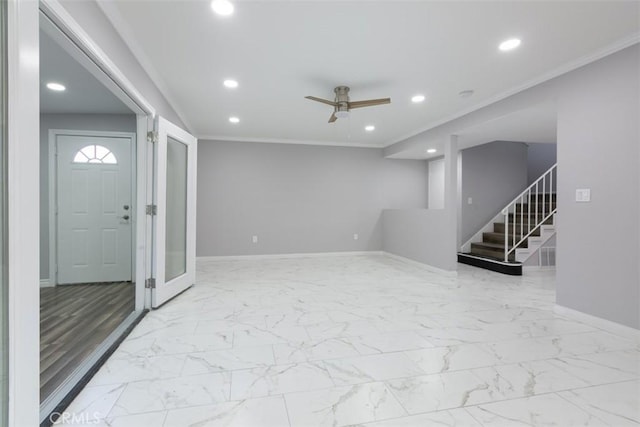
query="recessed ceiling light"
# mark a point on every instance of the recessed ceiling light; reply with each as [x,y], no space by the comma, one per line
[370,128]
[509,44]
[417,99]
[222,7]
[466,93]
[234,120]
[431,150]
[56,86]
[232,84]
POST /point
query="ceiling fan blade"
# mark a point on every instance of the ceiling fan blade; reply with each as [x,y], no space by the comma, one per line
[324,101]
[369,103]
[333,118]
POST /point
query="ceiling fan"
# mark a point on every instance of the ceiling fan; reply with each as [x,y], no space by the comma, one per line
[342,105]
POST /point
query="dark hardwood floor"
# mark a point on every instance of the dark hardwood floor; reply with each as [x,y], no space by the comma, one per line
[74,320]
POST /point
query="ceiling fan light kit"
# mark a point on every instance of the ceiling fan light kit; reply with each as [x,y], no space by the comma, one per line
[342,106]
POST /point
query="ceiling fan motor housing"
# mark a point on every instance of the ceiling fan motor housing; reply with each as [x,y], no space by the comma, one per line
[342,99]
[342,94]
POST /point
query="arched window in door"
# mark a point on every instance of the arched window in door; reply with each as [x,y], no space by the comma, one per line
[95,154]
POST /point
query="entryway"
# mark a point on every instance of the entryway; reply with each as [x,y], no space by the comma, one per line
[88,228]
[117,204]
[93,211]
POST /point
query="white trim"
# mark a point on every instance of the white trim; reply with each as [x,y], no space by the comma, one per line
[59,16]
[567,67]
[286,256]
[142,246]
[23,242]
[421,265]
[45,283]
[538,268]
[598,322]
[219,138]
[149,199]
[53,193]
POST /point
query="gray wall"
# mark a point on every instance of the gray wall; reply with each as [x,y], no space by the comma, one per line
[540,157]
[598,148]
[436,184]
[99,122]
[492,175]
[299,198]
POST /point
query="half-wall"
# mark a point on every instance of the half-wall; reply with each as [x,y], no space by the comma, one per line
[423,235]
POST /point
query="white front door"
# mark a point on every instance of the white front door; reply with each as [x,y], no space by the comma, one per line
[94,208]
[175,223]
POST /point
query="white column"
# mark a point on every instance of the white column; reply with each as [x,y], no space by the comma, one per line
[451,199]
[23,212]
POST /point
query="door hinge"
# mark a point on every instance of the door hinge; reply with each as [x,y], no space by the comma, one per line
[150,283]
[152,210]
[152,136]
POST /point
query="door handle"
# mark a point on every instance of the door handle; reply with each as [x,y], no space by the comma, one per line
[126,217]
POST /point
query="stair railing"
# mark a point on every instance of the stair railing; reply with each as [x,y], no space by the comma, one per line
[537,195]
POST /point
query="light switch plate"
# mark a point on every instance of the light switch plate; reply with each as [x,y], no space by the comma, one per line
[583,195]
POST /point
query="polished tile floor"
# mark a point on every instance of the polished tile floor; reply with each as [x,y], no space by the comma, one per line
[363,340]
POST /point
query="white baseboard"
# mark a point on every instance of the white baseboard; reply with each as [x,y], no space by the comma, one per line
[286,256]
[44,283]
[598,322]
[419,264]
[427,267]
[538,268]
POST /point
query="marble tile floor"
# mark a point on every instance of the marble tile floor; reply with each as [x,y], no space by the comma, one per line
[363,340]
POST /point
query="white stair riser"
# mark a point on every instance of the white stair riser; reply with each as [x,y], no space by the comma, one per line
[535,243]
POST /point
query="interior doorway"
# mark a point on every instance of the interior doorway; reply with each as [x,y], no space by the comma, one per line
[89,205]
[87,311]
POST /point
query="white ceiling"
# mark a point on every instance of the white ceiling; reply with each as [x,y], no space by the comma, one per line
[84,94]
[281,51]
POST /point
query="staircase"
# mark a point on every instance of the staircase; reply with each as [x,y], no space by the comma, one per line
[517,232]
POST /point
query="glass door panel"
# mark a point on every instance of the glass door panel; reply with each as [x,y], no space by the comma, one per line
[176,225]
[3,184]
[174,251]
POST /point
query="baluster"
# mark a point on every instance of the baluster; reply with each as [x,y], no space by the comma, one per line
[506,233]
[551,191]
[513,238]
[544,195]
[529,213]
[521,217]
[537,201]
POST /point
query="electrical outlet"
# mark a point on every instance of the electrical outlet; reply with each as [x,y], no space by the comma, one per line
[355,236]
[470,201]
[254,239]
[583,195]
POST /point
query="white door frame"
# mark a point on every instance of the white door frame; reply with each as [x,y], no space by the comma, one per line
[23,145]
[23,171]
[53,193]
